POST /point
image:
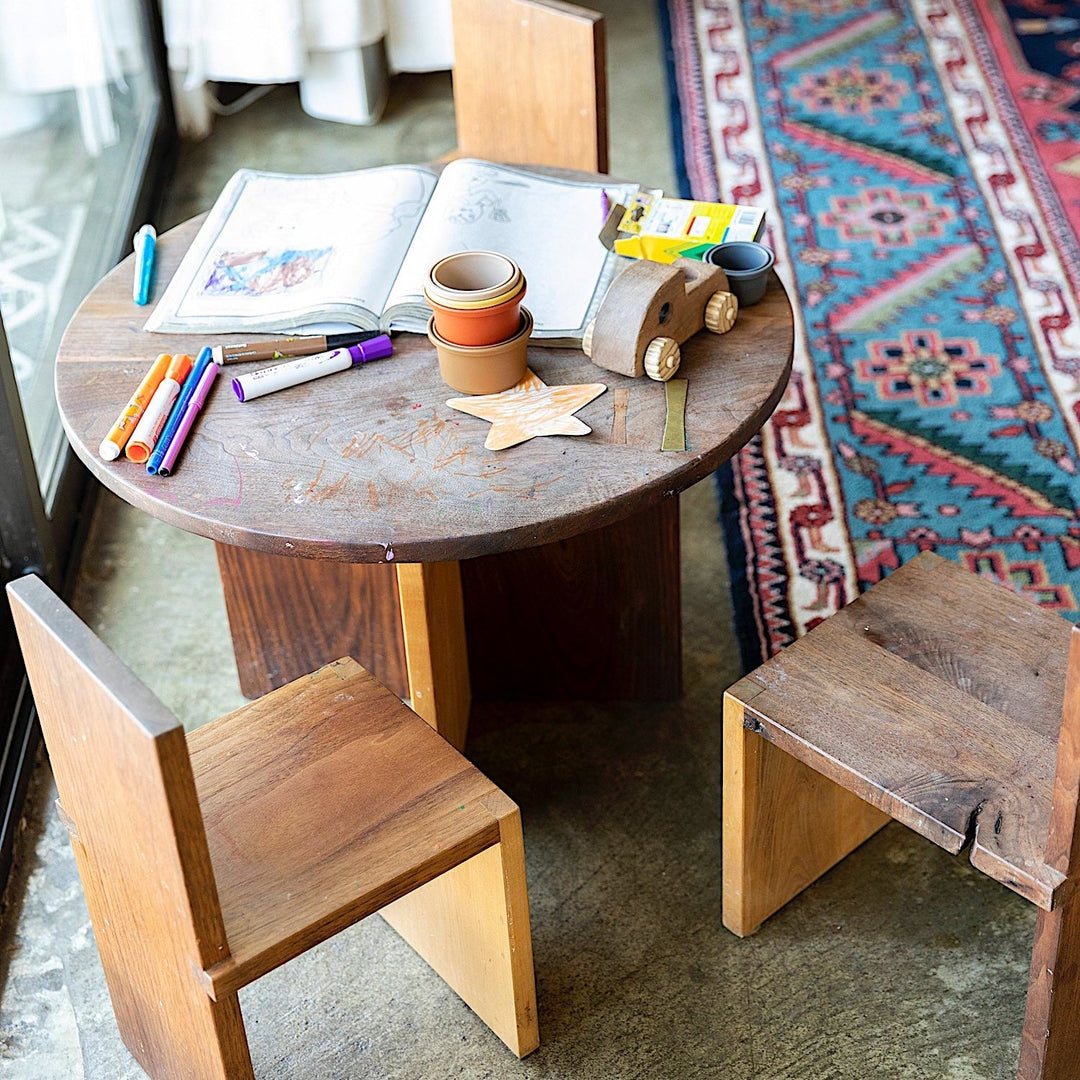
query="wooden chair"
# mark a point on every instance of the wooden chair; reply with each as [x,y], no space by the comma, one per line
[210,859]
[935,699]
[530,83]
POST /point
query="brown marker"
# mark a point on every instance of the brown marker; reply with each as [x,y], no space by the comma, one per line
[279,348]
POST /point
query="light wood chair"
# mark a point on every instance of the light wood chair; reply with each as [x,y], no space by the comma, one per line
[209,859]
[943,701]
[530,83]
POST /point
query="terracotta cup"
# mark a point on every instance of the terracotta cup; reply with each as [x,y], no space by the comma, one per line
[484,369]
[476,297]
[482,325]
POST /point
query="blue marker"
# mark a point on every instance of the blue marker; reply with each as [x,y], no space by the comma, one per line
[144,243]
[161,447]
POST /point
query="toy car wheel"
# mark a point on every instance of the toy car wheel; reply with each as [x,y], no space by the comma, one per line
[721,312]
[662,358]
[586,339]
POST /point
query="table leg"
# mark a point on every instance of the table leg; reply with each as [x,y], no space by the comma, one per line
[593,617]
[597,617]
[290,616]
[433,621]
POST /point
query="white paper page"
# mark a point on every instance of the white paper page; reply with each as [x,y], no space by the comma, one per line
[549,227]
[278,250]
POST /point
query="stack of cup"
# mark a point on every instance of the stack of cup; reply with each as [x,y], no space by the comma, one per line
[478,326]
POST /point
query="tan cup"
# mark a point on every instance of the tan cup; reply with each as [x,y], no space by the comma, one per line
[484,369]
[472,276]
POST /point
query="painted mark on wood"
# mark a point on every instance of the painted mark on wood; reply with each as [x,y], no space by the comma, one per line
[315,490]
[618,416]
[236,499]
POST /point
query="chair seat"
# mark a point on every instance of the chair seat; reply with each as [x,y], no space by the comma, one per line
[950,730]
[396,807]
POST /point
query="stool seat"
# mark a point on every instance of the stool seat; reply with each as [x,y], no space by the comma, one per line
[943,701]
[946,720]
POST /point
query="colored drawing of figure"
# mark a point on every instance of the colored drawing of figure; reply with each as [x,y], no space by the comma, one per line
[261,273]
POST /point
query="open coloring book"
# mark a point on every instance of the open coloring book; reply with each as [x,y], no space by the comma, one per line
[282,253]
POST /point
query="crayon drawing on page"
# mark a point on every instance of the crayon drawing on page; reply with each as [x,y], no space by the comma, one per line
[263,273]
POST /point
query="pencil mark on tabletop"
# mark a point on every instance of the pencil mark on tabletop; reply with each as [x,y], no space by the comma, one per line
[531,492]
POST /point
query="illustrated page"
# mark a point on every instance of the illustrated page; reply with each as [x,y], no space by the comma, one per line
[280,250]
[548,226]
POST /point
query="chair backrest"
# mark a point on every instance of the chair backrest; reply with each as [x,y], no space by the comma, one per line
[530,83]
[127,795]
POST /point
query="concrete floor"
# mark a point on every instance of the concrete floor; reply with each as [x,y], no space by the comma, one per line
[901,963]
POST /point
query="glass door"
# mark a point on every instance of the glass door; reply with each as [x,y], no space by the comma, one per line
[85,133]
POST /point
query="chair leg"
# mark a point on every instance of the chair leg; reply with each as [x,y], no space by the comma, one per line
[784,825]
[166,1020]
[471,925]
[1050,1045]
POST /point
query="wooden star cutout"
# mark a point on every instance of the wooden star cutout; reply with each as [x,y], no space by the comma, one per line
[530,408]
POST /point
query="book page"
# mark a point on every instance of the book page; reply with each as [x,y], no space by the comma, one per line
[279,251]
[549,226]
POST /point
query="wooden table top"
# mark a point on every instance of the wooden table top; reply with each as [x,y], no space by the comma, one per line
[371,464]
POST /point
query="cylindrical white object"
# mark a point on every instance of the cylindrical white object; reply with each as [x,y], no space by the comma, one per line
[153,420]
[268,379]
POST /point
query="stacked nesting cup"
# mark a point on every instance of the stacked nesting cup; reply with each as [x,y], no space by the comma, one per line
[478,326]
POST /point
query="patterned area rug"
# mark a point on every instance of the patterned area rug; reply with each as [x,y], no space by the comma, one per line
[918,161]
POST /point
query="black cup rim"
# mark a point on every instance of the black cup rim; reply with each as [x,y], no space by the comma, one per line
[743,272]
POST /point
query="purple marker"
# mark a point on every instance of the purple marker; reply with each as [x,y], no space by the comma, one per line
[268,379]
[195,403]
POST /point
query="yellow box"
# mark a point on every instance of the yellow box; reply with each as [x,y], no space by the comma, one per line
[662,230]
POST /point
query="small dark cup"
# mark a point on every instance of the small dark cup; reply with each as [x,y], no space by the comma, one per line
[747,265]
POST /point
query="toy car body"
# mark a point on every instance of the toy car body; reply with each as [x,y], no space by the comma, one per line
[650,309]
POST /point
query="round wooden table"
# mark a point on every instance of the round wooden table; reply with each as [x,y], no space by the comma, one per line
[359,514]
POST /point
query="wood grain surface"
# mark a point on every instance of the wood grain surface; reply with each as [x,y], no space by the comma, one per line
[370,465]
[290,616]
[323,801]
[785,824]
[530,83]
[121,766]
[936,697]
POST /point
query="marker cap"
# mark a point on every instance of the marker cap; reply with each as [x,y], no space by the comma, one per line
[375,349]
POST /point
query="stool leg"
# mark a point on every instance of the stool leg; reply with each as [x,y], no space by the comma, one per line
[1050,1045]
[433,622]
[784,824]
[471,924]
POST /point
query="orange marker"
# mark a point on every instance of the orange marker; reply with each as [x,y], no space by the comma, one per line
[121,431]
[153,419]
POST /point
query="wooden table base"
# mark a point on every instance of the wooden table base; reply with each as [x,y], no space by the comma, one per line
[597,617]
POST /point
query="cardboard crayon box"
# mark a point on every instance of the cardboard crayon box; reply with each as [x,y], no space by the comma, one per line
[661,229]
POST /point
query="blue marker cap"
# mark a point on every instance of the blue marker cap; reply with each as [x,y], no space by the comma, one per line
[157,455]
[144,243]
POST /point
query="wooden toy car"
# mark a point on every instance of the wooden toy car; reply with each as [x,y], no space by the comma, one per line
[650,309]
